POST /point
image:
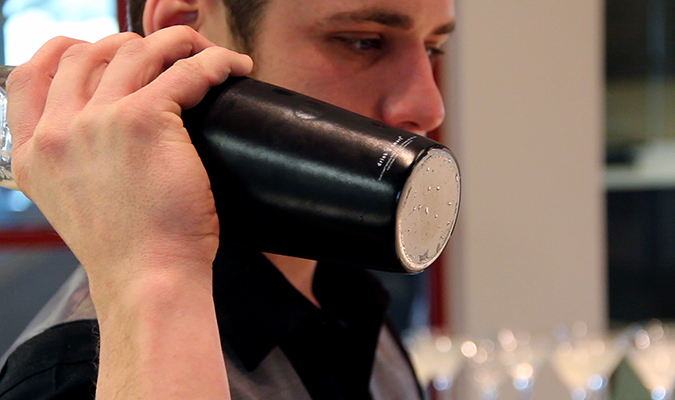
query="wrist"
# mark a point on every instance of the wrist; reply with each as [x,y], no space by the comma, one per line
[160,337]
[149,292]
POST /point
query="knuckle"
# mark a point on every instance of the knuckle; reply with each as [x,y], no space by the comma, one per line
[118,40]
[75,52]
[48,144]
[121,117]
[20,77]
[118,114]
[129,35]
[133,48]
[53,138]
[192,70]
[99,51]
[184,30]
[87,123]
[59,42]
[188,64]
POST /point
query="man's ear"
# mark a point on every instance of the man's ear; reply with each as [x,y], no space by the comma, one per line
[208,17]
[159,14]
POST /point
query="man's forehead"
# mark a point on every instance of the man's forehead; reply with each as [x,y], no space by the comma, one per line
[403,14]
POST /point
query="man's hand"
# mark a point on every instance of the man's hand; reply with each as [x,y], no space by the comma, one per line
[100,147]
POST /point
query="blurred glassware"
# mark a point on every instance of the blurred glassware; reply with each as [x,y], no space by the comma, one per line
[436,359]
[488,373]
[585,360]
[652,357]
[522,356]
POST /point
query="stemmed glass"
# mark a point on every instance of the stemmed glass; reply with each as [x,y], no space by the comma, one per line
[487,371]
[522,355]
[652,356]
[584,361]
[436,359]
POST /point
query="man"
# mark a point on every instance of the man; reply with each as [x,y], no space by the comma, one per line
[100,147]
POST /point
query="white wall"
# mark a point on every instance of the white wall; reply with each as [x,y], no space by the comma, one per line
[526,121]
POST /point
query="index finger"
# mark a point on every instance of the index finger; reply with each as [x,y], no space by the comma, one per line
[27,88]
[140,61]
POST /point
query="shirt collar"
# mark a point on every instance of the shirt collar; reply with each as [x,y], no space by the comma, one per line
[256,306]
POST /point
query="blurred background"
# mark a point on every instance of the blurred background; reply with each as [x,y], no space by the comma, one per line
[562,116]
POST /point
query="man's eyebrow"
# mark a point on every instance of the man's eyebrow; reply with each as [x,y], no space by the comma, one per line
[392,19]
[445,29]
[383,17]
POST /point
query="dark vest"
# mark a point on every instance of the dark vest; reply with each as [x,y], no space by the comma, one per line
[274,378]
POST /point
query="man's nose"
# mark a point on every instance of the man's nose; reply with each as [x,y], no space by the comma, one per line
[413,101]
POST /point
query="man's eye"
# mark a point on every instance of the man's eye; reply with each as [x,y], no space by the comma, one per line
[434,53]
[363,45]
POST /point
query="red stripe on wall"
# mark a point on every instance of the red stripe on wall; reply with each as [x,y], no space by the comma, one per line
[45,237]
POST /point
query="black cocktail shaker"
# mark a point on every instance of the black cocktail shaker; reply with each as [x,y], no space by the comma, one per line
[296,176]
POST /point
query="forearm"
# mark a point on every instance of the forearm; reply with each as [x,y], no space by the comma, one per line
[159,340]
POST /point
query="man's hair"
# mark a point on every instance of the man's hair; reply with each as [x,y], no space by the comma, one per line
[242,19]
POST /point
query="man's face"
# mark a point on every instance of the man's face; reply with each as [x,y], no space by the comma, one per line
[373,57]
